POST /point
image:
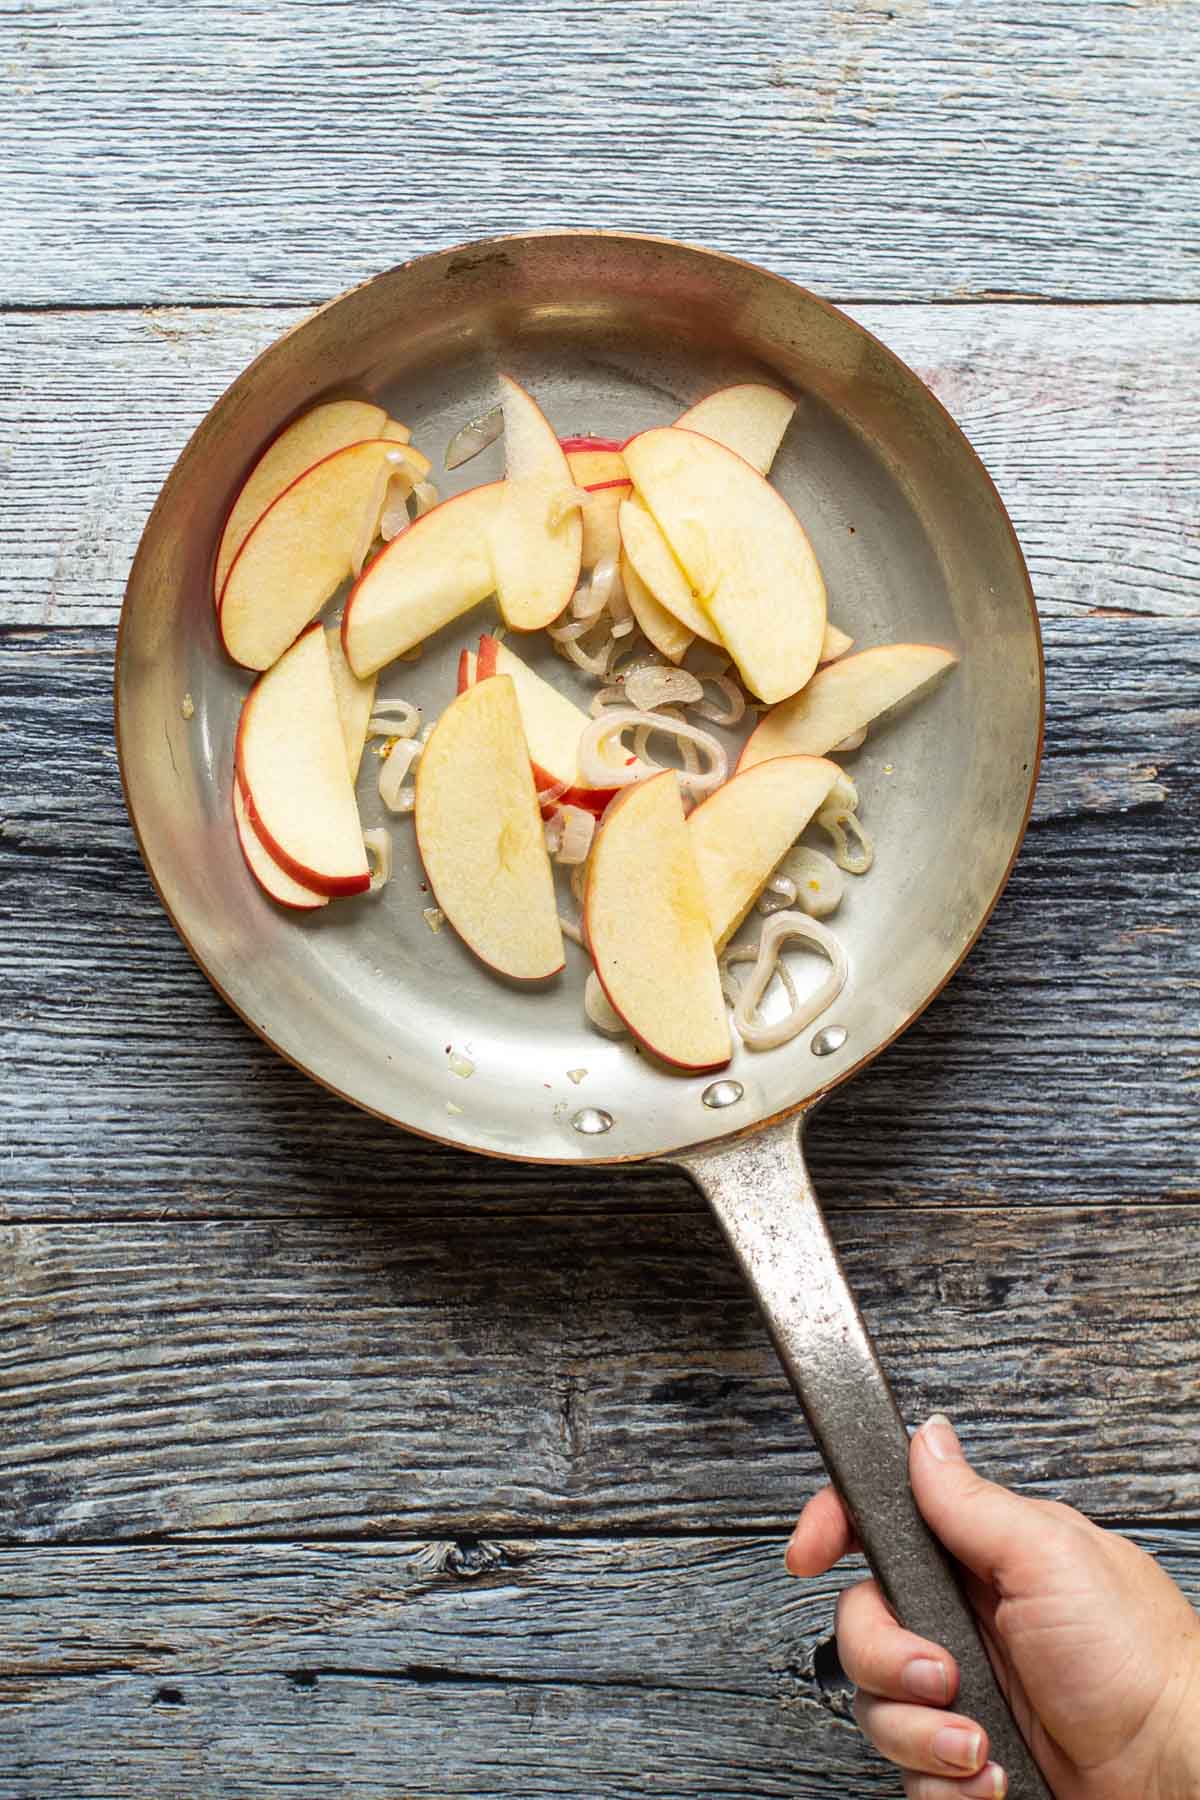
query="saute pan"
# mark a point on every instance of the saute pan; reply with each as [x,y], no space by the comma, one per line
[613,332]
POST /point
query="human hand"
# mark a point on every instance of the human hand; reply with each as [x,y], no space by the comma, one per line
[1095,1648]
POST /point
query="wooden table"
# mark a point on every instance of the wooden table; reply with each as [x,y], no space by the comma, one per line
[335,1463]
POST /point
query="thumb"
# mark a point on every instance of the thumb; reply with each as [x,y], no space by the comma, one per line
[991,1531]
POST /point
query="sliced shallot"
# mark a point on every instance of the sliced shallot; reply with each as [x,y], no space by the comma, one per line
[731,987]
[575,837]
[728,714]
[661,685]
[368,530]
[378,845]
[425,498]
[473,438]
[393,772]
[852,848]
[778,895]
[759,1036]
[394,718]
[597,771]
[571,930]
[816,881]
[395,515]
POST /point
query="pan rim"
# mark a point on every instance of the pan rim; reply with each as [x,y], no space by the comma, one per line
[800,1108]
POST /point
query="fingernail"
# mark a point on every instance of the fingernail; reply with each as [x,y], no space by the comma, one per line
[958,1749]
[941,1438]
[991,1783]
[925,1679]
[787,1557]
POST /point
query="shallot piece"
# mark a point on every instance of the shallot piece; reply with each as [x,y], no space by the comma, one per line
[473,438]
[816,882]
[607,696]
[661,686]
[842,794]
[735,702]
[368,530]
[759,1036]
[597,771]
[578,828]
[731,987]
[852,848]
[778,895]
[394,718]
[571,930]
[586,603]
[395,516]
[378,845]
[569,643]
[425,498]
[393,772]
[599,1010]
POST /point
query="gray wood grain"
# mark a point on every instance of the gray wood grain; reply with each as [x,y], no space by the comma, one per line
[385,1373]
[1054,1070]
[1088,419]
[681,1666]
[274,149]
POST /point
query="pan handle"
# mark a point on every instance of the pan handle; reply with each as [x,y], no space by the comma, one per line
[760,1190]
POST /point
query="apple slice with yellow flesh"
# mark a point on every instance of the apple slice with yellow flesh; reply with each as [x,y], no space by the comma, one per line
[664,630]
[834,644]
[307,441]
[842,699]
[354,696]
[748,419]
[744,551]
[740,832]
[536,536]
[432,572]
[553,724]
[647,927]
[480,834]
[651,557]
[265,870]
[290,758]
[299,551]
[602,473]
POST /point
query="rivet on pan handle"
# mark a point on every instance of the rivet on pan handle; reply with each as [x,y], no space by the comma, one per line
[760,1190]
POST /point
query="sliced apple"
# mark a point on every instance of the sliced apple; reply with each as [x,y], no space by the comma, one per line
[480,834]
[553,724]
[647,928]
[398,433]
[437,569]
[536,541]
[744,551]
[663,629]
[265,870]
[589,443]
[740,832]
[835,643]
[604,475]
[843,698]
[307,441]
[299,551]
[355,697]
[652,558]
[748,419]
[290,758]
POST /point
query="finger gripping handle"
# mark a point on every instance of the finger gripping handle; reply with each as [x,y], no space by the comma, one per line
[765,1204]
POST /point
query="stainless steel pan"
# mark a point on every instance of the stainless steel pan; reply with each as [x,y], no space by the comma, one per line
[613,332]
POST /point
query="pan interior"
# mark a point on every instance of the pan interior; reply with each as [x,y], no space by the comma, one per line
[611,335]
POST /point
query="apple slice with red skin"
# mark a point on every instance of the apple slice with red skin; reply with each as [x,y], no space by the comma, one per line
[536,540]
[290,758]
[315,435]
[842,699]
[748,419]
[480,835]
[355,697]
[431,573]
[570,444]
[553,724]
[740,832]
[265,870]
[651,557]
[743,550]
[299,551]
[647,928]
[603,475]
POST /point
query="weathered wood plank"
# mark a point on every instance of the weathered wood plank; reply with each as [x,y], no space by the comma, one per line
[898,149]
[482,1669]
[1054,1069]
[484,1374]
[1087,418]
